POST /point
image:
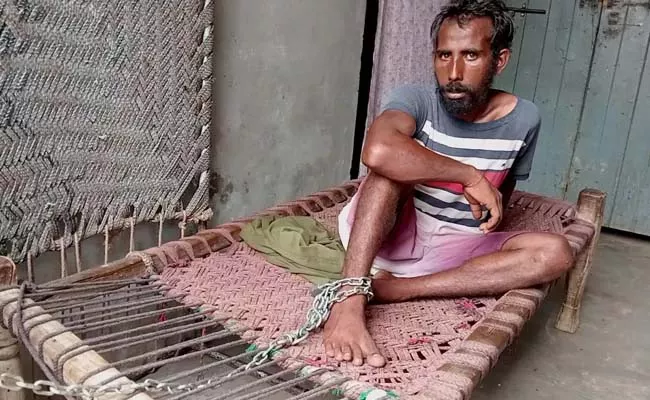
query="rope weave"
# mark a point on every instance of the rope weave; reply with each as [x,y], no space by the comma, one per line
[104,118]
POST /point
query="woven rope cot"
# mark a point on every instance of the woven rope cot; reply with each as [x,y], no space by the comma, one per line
[226,298]
[104,124]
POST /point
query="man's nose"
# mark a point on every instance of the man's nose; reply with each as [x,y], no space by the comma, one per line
[456,70]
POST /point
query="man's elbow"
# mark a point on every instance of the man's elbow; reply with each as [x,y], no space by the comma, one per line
[374,155]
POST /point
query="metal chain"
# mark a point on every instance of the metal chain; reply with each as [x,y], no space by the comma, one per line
[47,388]
[328,295]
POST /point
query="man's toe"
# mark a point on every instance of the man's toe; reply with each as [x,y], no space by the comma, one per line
[376,360]
[329,350]
[357,355]
[338,353]
[373,356]
[347,352]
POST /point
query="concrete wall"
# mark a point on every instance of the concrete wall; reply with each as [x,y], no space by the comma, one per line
[284,100]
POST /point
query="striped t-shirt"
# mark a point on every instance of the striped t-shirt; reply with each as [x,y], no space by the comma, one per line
[497,148]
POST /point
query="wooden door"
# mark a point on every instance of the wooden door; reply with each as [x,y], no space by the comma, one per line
[585,64]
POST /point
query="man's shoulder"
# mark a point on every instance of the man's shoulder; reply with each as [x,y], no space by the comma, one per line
[413,99]
[528,112]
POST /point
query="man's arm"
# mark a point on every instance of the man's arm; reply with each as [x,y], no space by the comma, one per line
[390,151]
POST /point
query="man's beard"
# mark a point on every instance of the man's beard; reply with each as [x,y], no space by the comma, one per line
[474,99]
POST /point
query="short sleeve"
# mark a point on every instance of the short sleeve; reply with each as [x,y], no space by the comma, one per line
[411,99]
[524,161]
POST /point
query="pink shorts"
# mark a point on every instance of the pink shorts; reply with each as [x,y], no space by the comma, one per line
[409,252]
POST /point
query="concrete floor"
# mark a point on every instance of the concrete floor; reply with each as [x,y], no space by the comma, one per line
[609,356]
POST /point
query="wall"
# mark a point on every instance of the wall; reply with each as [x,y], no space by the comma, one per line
[284,100]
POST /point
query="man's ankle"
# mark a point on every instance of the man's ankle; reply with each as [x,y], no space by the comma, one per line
[352,303]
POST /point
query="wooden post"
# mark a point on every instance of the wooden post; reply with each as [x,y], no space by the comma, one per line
[10,363]
[591,204]
[9,349]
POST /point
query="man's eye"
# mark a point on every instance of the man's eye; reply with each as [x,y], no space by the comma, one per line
[472,55]
[444,55]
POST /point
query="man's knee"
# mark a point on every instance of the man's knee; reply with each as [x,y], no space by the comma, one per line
[555,255]
[381,183]
[384,192]
[380,201]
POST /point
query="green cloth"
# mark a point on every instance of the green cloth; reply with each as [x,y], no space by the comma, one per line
[300,244]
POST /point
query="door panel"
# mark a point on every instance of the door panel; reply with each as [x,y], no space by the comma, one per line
[532,48]
[506,81]
[585,65]
[631,200]
[611,103]
[552,70]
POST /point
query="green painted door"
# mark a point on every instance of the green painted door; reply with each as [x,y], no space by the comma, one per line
[585,64]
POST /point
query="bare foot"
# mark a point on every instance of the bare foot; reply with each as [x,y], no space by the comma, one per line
[346,336]
[386,288]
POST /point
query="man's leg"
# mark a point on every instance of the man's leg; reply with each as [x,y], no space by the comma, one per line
[524,261]
[345,334]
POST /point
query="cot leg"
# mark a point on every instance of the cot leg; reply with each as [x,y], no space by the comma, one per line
[590,208]
[10,363]
[9,350]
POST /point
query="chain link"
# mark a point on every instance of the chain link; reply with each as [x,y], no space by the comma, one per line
[327,295]
[47,388]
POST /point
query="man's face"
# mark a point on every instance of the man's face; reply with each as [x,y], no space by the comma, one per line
[465,66]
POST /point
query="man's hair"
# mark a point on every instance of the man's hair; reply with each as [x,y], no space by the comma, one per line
[464,11]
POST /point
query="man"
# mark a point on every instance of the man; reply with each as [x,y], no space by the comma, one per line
[442,162]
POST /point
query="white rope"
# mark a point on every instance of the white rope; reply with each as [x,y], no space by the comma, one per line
[160,228]
[132,236]
[77,252]
[106,245]
[30,269]
[183,224]
[62,253]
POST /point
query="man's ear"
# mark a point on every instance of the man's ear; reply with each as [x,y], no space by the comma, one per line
[502,60]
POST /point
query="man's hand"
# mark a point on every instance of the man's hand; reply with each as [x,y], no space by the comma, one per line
[480,193]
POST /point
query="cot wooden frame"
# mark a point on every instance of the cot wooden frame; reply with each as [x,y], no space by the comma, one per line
[492,333]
